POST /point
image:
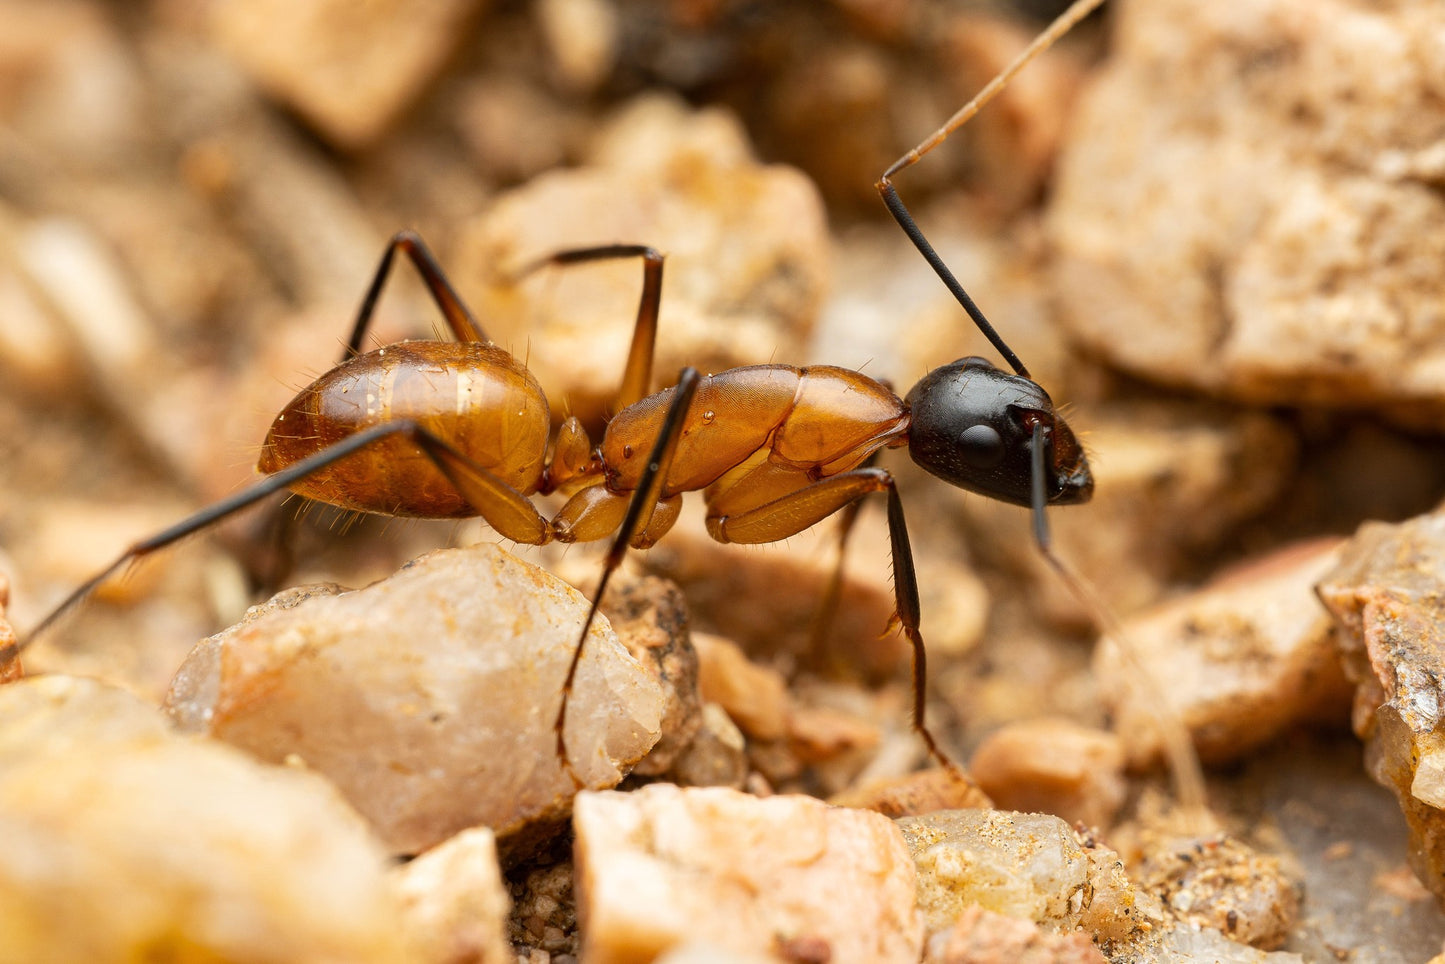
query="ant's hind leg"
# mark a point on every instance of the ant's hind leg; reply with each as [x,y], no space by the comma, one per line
[459,317]
[799,510]
[637,376]
[827,611]
[505,509]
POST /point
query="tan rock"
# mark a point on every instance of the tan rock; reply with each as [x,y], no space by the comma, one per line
[55,715]
[1221,883]
[699,952]
[1194,945]
[1386,598]
[1027,866]
[982,937]
[665,866]
[649,616]
[820,733]
[1239,661]
[349,69]
[582,39]
[755,696]
[429,697]
[717,755]
[514,129]
[74,87]
[124,842]
[1053,766]
[454,902]
[923,791]
[1298,263]
[746,248]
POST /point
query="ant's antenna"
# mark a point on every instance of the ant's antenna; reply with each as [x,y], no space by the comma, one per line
[1065,22]
[1062,25]
[1177,746]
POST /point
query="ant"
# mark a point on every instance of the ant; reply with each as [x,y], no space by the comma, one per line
[457,429]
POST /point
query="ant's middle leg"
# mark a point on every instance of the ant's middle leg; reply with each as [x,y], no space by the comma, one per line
[504,508]
[637,376]
[790,514]
[459,317]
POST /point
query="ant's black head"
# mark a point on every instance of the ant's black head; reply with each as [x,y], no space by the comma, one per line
[971,427]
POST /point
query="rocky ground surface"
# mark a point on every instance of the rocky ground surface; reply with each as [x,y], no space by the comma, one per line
[1211,231]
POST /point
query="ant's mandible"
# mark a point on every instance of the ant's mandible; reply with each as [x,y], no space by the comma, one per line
[458,429]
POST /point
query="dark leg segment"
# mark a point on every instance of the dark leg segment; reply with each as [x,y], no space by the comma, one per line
[905,594]
[468,477]
[459,317]
[833,592]
[797,511]
[644,499]
[637,376]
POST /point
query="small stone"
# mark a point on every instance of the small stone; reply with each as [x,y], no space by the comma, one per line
[924,791]
[665,866]
[126,842]
[454,903]
[350,69]
[543,905]
[1239,661]
[755,696]
[1194,945]
[649,616]
[717,755]
[74,89]
[582,38]
[685,183]
[983,937]
[1053,766]
[513,129]
[785,585]
[700,952]
[429,697]
[1221,883]
[1027,866]
[1299,264]
[1386,598]
[820,733]
[56,715]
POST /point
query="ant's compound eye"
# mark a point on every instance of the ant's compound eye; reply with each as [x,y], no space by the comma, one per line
[981,446]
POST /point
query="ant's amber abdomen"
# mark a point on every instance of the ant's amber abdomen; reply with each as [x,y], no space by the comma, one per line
[477,398]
